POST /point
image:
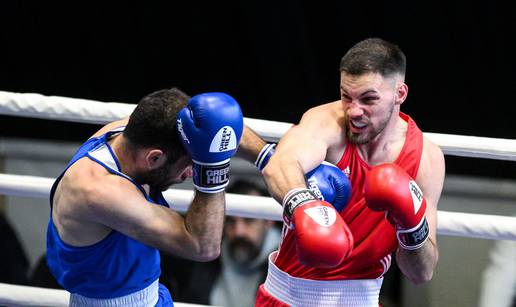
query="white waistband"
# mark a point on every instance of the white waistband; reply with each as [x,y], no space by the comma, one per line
[323,293]
[142,298]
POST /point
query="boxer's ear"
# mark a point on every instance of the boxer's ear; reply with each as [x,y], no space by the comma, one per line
[155,158]
[401,92]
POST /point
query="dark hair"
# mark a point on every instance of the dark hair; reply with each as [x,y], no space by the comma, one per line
[153,122]
[374,55]
[246,187]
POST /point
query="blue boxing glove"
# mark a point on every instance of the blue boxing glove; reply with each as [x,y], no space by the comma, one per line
[330,184]
[210,127]
[327,181]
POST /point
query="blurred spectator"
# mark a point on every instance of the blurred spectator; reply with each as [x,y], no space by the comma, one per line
[498,287]
[41,276]
[233,279]
[13,261]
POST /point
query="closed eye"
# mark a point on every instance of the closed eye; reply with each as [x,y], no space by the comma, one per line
[370,99]
[345,97]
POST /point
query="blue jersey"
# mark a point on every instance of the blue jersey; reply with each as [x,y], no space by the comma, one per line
[115,266]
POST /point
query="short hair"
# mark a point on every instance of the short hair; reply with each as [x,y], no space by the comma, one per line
[153,122]
[246,187]
[374,55]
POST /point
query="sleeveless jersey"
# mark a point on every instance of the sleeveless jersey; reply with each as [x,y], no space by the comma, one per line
[115,266]
[374,237]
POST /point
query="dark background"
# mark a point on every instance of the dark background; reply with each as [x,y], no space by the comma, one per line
[277,58]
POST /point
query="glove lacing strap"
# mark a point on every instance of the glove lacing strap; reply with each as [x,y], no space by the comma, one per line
[295,198]
[415,237]
[211,177]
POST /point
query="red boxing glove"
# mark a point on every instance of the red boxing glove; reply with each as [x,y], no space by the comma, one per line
[389,188]
[323,239]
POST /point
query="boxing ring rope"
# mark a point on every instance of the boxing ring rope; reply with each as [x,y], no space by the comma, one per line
[450,223]
[14,295]
[95,112]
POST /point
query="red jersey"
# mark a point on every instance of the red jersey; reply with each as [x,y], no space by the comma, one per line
[374,237]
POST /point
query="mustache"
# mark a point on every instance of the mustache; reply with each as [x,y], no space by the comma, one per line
[242,250]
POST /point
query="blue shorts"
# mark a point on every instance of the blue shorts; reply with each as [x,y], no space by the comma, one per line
[165,299]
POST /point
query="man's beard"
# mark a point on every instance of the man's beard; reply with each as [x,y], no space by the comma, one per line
[157,179]
[242,251]
[361,138]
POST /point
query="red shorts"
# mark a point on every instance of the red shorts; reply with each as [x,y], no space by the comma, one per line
[264,299]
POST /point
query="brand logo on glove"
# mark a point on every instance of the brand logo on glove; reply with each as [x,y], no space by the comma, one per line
[297,199]
[181,131]
[417,195]
[314,187]
[213,175]
[322,215]
[217,176]
[420,234]
[414,238]
[224,140]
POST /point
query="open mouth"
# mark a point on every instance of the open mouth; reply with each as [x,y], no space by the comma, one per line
[357,125]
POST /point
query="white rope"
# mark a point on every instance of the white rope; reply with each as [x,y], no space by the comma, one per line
[96,112]
[476,225]
[15,295]
[449,223]
[474,146]
[28,186]
[62,108]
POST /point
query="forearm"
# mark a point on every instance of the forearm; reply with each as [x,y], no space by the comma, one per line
[250,145]
[287,167]
[204,221]
[418,265]
[282,176]
[275,174]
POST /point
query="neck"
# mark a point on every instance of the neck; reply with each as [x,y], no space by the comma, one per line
[126,157]
[386,146]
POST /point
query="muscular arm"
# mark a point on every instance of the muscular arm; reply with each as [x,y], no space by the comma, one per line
[204,221]
[301,149]
[250,145]
[115,203]
[418,265]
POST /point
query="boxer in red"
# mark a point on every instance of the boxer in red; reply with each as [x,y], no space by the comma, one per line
[396,177]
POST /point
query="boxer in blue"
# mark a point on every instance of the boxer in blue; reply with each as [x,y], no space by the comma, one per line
[108,216]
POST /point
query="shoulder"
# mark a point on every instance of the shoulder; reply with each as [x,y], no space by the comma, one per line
[328,113]
[432,154]
[431,168]
[85,172]
[326,124]
[324,120]
[79,182]
[93,185]
[111,126]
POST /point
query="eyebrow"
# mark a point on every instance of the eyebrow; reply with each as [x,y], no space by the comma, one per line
[364,93]
[369,91]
